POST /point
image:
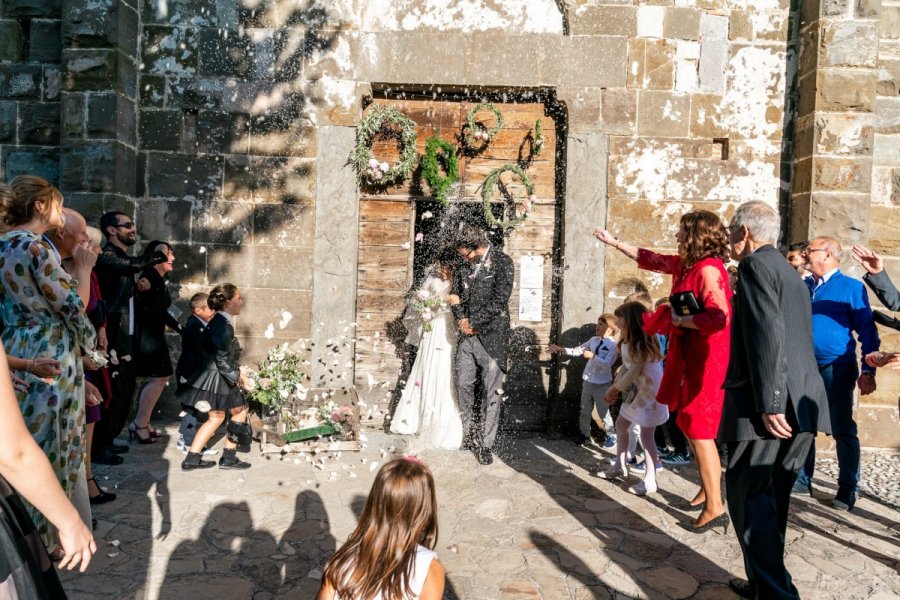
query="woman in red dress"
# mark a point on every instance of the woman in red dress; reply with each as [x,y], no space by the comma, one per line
[697,355]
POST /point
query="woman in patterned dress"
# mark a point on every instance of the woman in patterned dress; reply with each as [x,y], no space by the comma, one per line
[43,310]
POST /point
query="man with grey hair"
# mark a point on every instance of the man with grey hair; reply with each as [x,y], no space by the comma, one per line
[775,401]
[840,309]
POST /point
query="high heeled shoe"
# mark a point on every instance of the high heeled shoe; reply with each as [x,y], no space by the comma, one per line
[722,521]
[103,497]
[133,433]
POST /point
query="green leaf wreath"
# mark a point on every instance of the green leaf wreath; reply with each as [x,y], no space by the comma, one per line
[386,122]
[537,143]
[487,188]
[475,133]
[431,167]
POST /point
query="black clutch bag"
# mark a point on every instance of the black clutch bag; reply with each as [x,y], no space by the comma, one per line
[685,304]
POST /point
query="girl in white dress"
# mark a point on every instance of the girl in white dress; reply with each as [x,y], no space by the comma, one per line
[638,381]
[428,403]
[390,555]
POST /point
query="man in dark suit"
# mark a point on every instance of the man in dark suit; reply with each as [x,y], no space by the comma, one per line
[483,286]
[775,400]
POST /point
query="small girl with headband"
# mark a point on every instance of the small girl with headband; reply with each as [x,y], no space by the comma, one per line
[390,555]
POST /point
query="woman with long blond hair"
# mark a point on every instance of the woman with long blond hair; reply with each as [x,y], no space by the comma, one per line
[43,309]
[390,555]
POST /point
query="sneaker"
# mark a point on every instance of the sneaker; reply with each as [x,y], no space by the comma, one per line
[801,489]
[609,442]
[639,467]
[675,458]
[844,500]
[642,489]
[614,472]
[180,444]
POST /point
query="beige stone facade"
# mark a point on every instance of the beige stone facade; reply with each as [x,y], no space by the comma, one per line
[226,126]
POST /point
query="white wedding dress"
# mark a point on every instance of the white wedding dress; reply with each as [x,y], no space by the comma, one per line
[428,404]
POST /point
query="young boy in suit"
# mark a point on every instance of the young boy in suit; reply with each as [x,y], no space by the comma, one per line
[190,360]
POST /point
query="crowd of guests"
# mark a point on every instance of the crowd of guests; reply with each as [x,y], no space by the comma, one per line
[83,320]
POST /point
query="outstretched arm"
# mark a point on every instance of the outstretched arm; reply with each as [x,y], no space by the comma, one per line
[609,239]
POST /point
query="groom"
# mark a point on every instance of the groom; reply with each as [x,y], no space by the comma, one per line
[483,285]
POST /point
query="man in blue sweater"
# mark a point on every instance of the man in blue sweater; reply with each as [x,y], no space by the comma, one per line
[840,308]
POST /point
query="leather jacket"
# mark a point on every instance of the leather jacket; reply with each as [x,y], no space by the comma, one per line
[221,352]
[116,270]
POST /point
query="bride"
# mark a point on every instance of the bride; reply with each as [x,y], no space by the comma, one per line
[428,403]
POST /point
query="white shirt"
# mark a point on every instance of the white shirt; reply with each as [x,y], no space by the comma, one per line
[599,367]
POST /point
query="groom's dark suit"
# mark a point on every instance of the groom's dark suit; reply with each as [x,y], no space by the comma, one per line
[484,288]
[772,369]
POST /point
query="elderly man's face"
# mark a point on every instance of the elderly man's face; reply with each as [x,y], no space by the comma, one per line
[737,239]
[819,257]
[73,233]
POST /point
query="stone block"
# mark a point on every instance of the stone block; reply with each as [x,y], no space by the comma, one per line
[848,44]
[89,69]
[161,129]
[72,109]
[20,82]
[846,90]
[126,121]
[89,205]
[128,31]
[605,20]
[284,225]
[498,67]
[740,27]
[582,107]
[706,114]
[42,161]
[223,54]
[39,123]
[773,27]
[886,187]
[842,174]
[802,182]
[218,222]
[713,52]
[168,220]
[889,23]
[841,215]
[618,110]
[101,116]
[31,8]
[682,23]
[887,149]
[197,13]
[663,114]
[222,133]
[45,41]
[88,24]
[835,8]
[846,134]
[153,91]
[659,65]
[285,268]
[809,52]
[182,176]
[270,179]
[52,78]
[234,264]
[562,63]
[170,50]
[190,265]
[97,166]
[198,94]
[12,42]
[888,77]
[868,9]
[265,306]
[883,229]
[8,120]
[650,21]
[403,62]
[887,115]
[281,135]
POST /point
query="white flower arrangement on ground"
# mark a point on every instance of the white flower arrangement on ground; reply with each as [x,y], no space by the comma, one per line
[279,377]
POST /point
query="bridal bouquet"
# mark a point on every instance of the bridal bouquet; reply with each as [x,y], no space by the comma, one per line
[427,306]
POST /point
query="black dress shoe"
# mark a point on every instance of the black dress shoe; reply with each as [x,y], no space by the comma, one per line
[194,460]
[582,440]
[484,456]
[233,462]
[742,588]
[105,457]
[118,448]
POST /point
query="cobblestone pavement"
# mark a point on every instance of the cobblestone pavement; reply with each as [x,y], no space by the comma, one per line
[534,525]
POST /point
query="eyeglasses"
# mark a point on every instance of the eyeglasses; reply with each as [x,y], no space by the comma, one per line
[809,251]
[126,225]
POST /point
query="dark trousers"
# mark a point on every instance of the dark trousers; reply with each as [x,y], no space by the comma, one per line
[679,442]
[472,362]
[122,380]
[840,383]
[758,481]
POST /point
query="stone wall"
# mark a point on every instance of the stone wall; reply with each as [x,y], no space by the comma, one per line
[223,126]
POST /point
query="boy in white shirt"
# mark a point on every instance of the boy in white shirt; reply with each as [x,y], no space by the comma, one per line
[601,352]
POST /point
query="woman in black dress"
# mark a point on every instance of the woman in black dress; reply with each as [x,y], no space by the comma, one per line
[217,386]
[152,304]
